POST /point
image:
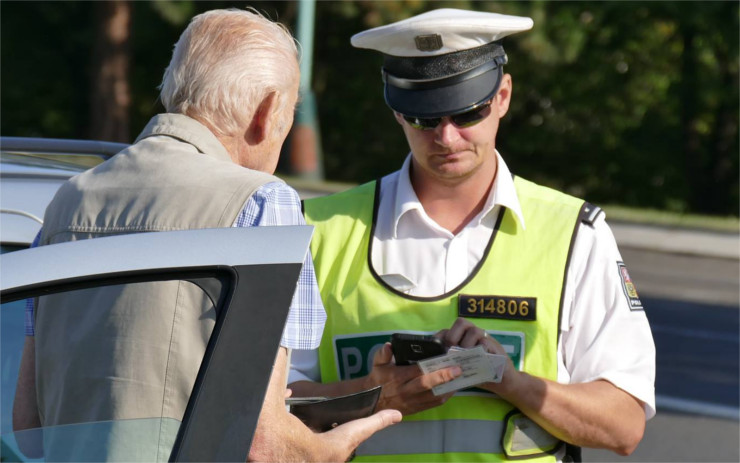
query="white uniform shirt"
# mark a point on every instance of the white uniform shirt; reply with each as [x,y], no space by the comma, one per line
[600,336]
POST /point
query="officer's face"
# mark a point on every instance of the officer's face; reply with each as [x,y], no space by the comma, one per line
[450,154]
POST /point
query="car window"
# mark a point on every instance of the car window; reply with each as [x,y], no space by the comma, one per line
[11,344]
[80,341]
[87,441]
[247,275]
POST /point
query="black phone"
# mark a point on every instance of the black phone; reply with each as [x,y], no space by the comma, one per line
[410,348]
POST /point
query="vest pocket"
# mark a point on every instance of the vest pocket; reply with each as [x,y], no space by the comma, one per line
[523,438]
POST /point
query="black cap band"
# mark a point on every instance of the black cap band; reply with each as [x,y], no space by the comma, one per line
[441,66]
[443,85]
[418,84]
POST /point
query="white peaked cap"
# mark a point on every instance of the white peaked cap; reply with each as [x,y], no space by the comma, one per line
[458,30]
[442,62]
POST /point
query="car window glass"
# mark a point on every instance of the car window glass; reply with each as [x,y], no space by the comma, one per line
[145,348]
[89,442]
[11,345]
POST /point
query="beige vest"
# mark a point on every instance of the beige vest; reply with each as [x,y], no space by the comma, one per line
[133,351]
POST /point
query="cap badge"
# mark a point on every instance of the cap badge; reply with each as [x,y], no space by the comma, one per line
[430,42]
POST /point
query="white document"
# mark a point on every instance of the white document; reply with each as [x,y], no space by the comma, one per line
[477,366]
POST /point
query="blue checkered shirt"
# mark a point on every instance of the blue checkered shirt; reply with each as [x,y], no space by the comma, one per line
[278,204]
[273,204]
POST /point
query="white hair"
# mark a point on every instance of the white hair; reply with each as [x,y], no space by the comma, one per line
[225,63]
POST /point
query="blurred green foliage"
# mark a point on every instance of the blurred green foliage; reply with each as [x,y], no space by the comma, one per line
[632,103]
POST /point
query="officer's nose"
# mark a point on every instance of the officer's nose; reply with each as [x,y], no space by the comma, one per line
[446,133]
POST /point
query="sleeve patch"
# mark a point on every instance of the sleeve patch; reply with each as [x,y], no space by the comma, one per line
[629,288]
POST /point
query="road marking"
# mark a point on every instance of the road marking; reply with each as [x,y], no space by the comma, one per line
[697,407]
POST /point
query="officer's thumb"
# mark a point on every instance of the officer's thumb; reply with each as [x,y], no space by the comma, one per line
[384,355]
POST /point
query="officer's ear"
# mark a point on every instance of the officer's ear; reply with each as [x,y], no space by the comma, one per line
[503,97]
[399,117]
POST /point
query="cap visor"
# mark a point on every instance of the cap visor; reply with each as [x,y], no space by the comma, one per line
[444,101]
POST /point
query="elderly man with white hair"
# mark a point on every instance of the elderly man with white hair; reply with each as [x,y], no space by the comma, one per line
[230,92]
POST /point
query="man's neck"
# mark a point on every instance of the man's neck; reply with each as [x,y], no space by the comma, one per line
[452,205]
[232,146]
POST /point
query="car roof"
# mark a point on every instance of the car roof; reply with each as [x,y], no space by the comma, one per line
[32,170]
[61,146]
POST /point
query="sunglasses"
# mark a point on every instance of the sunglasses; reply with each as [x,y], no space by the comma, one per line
[463,120]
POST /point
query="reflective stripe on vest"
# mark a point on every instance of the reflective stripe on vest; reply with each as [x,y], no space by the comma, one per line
[417,437]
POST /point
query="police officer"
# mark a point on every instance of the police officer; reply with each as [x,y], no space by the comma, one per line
[454,244]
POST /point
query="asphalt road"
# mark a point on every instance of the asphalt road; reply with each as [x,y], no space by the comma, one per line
[692,305]
[684,277]
[673,437]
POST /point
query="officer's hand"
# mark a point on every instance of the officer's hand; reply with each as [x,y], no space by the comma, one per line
[465,334]
[406,388]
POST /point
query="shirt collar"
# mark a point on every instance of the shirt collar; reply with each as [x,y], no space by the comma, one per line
[406,199]
[503,193]
[188,130]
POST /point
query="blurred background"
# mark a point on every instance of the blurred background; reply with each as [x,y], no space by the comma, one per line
[631,105]
[623,103]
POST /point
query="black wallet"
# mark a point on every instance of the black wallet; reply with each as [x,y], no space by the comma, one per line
[322,413]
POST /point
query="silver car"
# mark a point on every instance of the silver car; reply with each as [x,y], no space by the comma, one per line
[31,171]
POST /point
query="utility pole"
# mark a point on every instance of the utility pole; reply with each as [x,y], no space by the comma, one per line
[305,141]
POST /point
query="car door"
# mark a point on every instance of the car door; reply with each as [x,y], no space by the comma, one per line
[249,274]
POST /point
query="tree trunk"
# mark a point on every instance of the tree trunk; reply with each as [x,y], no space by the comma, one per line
[110,97]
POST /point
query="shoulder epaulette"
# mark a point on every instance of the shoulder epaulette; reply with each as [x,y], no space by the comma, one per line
[589,213]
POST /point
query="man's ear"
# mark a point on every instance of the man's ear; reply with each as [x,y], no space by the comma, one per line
[503,97]
[263,120]
[399,117]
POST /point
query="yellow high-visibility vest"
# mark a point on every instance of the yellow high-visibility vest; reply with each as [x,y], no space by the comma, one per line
[515,294]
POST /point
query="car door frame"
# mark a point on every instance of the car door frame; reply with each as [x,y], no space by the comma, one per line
[250,274]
